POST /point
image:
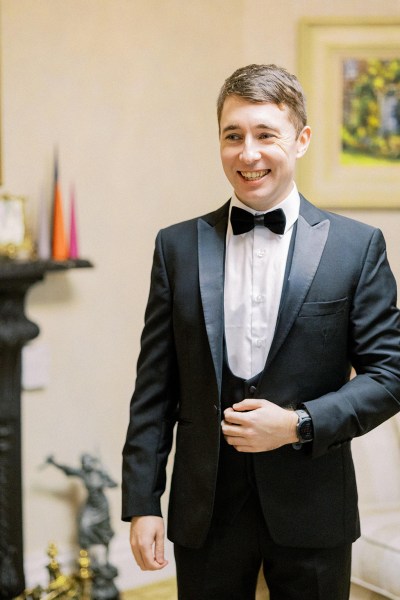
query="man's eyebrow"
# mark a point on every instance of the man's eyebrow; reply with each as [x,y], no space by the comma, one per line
[235,127]
[231,127]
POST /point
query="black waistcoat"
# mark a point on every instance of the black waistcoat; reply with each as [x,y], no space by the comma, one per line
[235,480]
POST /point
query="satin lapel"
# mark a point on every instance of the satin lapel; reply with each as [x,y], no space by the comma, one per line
[309,245]
[211,275]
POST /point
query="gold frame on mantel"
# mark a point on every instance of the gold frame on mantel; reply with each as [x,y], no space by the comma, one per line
[15,241]
[324,44]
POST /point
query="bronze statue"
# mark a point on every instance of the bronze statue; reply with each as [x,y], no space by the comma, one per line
[94,526]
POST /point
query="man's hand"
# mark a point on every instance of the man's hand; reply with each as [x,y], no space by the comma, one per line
[255,425]
[147,542]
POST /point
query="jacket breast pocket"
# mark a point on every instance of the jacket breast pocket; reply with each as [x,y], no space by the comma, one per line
[317,347]
[320,309]
[329,318]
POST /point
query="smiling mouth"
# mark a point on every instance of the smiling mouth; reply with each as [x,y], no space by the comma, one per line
[254,175]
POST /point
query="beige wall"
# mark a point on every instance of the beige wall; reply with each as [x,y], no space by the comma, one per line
[126,90]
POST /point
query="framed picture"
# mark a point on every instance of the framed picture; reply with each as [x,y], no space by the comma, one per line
[15,241]
[350,71]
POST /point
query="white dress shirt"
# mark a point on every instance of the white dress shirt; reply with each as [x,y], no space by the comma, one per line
[255,265]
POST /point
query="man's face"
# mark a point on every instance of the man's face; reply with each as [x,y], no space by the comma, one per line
[259,148]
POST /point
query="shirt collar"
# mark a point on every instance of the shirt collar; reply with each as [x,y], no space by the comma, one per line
[290,206]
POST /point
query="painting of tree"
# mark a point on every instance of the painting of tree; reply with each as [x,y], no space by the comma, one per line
[371,111]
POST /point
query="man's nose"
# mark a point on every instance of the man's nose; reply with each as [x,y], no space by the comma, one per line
[250,153]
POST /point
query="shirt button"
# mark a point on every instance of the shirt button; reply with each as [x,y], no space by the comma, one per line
[259,298]
[260,253]
[260,343]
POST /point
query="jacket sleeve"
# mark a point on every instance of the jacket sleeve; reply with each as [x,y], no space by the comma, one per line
[154,402]
[373,395]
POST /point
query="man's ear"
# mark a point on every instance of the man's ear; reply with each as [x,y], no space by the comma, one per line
[303,141]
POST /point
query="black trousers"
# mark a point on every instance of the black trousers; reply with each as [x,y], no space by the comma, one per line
[227,566]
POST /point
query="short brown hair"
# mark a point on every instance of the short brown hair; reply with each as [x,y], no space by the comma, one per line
[267,83]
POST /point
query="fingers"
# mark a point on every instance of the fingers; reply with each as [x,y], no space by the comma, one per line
[251,426]
[234,433]
[234,421]
[256,425]
[249,404]
[238,410]
[232,436]
[232,417]
[147,542]
[159,551]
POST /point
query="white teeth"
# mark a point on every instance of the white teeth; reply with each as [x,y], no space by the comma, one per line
[253,174]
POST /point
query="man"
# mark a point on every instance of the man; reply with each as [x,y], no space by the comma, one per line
[252,327]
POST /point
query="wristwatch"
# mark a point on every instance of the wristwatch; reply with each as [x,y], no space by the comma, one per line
[304,428]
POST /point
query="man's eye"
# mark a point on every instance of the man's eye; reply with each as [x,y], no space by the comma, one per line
[266,136]
[232,137]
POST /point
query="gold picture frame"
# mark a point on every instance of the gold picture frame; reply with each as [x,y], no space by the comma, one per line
[15,241]
[351,162]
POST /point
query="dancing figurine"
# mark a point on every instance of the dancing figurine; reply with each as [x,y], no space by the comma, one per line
[94,526]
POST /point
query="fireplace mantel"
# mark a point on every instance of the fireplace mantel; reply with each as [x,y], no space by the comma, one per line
[16,278]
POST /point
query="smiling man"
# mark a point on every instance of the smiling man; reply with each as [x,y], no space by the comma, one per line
[256,315]
[259,149]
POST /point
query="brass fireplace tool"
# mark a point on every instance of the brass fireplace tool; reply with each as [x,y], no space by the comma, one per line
[77,586]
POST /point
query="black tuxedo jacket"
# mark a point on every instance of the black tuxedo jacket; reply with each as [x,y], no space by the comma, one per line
[338,311]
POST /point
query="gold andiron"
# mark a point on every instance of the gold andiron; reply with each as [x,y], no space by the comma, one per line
[63,587]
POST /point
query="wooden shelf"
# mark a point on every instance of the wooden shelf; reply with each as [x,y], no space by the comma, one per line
[76,263]
[19,269]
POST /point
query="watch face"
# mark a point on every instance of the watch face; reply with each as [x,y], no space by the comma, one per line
[306,430]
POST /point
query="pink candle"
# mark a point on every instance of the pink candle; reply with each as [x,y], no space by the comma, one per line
[73,237]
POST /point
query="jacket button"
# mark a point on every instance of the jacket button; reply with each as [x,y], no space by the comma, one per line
[252,390]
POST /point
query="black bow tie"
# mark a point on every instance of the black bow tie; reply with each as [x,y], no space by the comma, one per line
[243,221]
